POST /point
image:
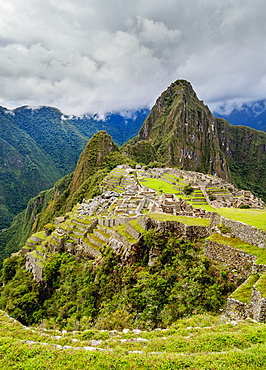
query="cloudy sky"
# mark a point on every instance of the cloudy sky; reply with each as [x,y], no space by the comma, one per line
[113,55]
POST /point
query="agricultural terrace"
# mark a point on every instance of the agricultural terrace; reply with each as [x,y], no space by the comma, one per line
[253,217]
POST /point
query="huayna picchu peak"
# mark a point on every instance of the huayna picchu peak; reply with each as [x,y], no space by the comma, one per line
[180,131]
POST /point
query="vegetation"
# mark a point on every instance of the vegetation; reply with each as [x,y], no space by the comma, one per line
[159,185]
[115,295]
[176,118]
[144,292]
[14,238]
[188,189]
[39,146]
[142,152]
[99,157]
[200,342]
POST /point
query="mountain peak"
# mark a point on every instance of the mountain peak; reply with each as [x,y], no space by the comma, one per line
[92,157]
[182,130]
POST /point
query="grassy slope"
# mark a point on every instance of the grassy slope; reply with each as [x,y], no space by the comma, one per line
[201,342]
[251,217]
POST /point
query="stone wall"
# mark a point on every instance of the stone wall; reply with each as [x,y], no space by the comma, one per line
[258,305]
[192,233]
[133,232]
[249,234]
[33,264]
[119,247]
[246,265]
[237,310]
[256,309]
[233,257]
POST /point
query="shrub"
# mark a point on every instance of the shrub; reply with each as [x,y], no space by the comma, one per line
[224,229]
[188,189]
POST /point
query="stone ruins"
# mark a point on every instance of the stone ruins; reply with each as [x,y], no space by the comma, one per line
[129,205]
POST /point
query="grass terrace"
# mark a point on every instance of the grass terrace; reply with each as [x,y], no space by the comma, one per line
[40,234]
[174,178]
[239,244]
[253,217]
[191,221]
[135,224]
[159,185]
[261,285]
[206,207]
[121,229]
[243,292]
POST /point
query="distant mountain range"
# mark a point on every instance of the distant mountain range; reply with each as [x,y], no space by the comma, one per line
[40,145]
[251,115]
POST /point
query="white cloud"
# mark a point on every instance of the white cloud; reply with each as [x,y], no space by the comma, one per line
[102,55]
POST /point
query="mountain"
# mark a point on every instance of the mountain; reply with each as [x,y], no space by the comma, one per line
[40,145]
[181,131]
[26,168]
[252,115]
[98,158]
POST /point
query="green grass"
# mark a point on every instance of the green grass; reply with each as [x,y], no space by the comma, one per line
[40,234]
[136,226]
[159,185]
[251,217]
[206,207]
[174,178]
[200,342]
[261,285]
[243,292]
[239,244]
[191,221]
[121,229]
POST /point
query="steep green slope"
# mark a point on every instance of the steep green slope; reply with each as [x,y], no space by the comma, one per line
[113,294]
[25,169]
[40,145]
[245,150]
[100,155]
[14,237]
[56,136]
[182,131]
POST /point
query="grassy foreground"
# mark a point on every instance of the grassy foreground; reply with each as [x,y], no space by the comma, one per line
[200,342]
